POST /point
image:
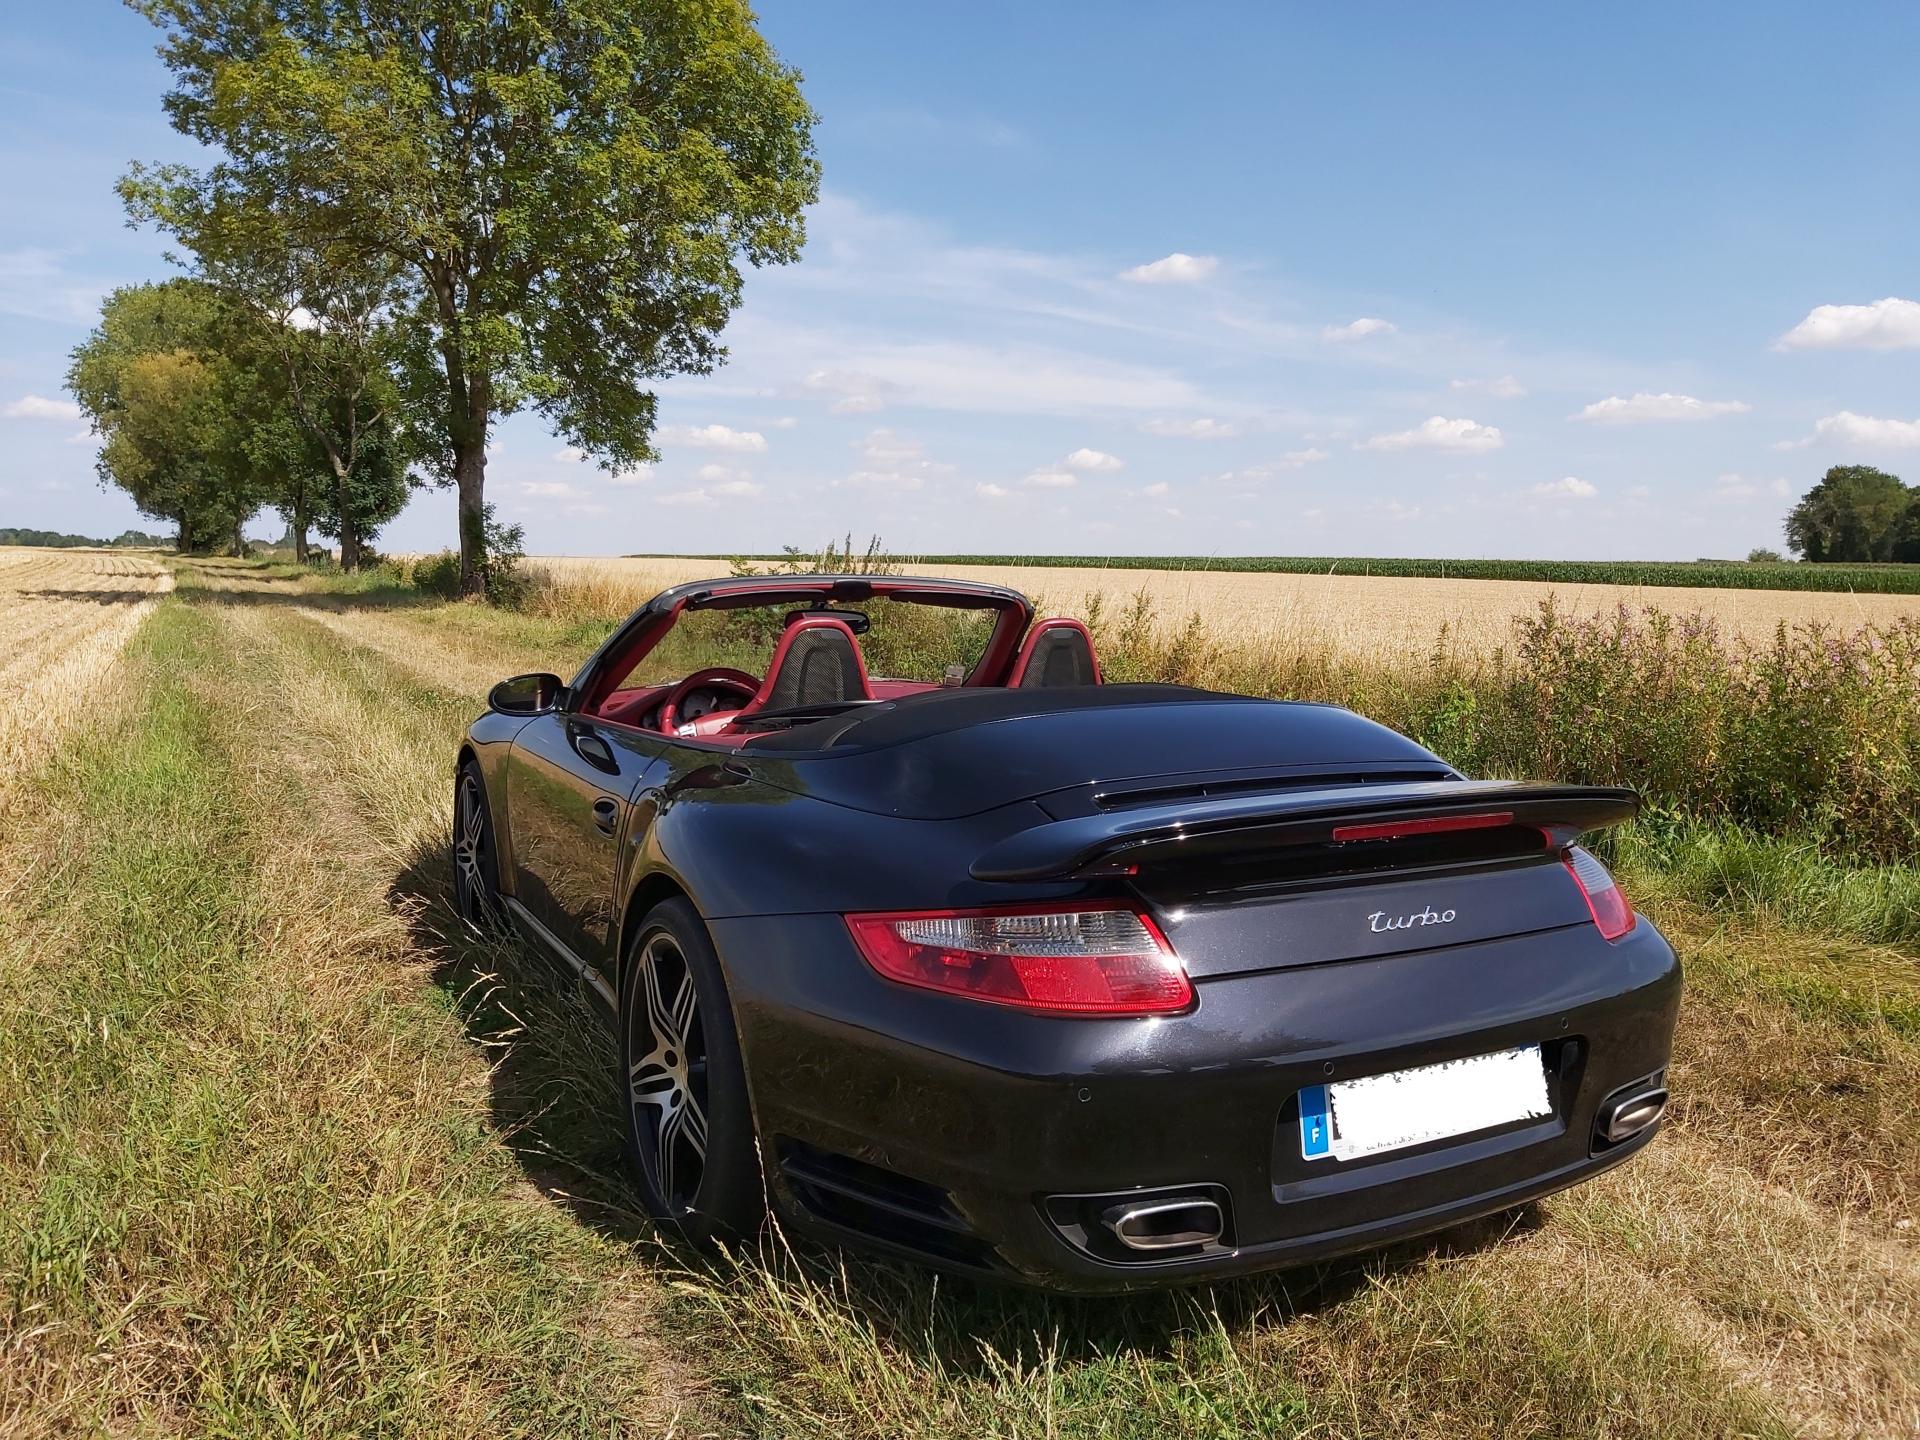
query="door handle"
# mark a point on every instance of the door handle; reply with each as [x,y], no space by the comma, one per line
[606,815]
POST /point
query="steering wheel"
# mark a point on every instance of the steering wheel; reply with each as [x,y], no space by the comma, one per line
[720,677]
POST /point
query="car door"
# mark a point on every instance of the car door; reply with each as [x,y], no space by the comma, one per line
[571,782]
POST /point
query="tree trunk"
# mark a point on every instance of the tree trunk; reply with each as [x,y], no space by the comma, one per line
[470,475]
[343,507]
[300,532]
[239,541]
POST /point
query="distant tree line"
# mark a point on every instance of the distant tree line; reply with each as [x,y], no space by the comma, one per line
[60,540]
[419,217]
[1857,513]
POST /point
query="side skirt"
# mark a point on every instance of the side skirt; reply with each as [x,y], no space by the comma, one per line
[524,920]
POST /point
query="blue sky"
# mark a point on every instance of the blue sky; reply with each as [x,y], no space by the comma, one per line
[1209,279]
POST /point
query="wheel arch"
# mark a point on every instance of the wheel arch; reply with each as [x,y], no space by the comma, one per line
[654,888]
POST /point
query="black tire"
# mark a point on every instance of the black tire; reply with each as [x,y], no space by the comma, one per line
[476,860]
[690,1133]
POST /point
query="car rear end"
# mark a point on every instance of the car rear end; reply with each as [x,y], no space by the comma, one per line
[1183,1028]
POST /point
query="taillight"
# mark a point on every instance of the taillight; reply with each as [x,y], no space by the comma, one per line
[1085,960]
[1605,899]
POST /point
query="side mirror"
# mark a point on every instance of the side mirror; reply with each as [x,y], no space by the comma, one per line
[526,695]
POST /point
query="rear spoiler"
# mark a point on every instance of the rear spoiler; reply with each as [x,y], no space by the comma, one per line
[1114,844]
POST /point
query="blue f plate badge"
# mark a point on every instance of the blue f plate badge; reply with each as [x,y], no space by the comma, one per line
[1316,1134]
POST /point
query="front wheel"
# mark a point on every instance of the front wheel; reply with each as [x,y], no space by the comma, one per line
[689,1126]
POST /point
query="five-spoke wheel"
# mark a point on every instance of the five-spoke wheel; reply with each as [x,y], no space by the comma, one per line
[667,1084]
[689,1124]
[476,892]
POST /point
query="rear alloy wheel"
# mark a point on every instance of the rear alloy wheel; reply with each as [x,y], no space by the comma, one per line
[476,875]
[689,1128]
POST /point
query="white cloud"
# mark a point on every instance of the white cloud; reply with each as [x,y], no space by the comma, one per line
[684,497]
[713,437]
[549,489]
[1294,459]
[1204,428]
[1572,487]
[1093,460]
[1629,410]
[785,422]
[1052,479]
[740,489]
[1439,433]
[1158,490]
[633,475]
[1734,487]
[989,491]
[890,461]
[1175,269]
[1358,329]
[722,474]
[39,407]
[860,393]
[1503,387]
[569,455]
[1850,429]
[1889,324]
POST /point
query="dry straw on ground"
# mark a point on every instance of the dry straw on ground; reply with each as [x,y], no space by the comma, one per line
[1361,616]
[64,616]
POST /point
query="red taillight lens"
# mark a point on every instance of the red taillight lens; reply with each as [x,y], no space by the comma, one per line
[1092,960]
[1611,912]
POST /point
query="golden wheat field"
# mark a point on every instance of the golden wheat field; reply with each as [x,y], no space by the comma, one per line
[1358,615]
[64,615]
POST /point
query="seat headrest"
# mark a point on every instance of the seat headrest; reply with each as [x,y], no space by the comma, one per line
[1058,652]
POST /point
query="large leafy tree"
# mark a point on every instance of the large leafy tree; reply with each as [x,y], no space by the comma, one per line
[568,188]
[1855,513]
[176,415]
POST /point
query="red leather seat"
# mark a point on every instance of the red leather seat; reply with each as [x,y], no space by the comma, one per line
[817,662]
[1057,652]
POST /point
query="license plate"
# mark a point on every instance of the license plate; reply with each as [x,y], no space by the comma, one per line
[1351,1118]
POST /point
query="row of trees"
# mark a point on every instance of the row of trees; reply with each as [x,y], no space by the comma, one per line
[1857,513]
[420,217]
[210,410]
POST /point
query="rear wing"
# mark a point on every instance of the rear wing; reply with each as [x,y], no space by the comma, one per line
[1111,844]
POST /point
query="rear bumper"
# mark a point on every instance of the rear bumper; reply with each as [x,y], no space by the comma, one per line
[940,1128]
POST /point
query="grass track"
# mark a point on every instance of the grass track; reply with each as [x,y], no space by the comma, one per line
[329,1169]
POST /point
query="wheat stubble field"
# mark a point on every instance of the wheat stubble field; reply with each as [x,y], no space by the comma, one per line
[281,1152]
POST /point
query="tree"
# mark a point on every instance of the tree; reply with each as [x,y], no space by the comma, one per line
[1760,555]
[1853,514]
[155,379]
[565,187]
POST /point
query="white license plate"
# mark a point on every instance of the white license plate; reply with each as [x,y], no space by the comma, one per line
[1351,1118]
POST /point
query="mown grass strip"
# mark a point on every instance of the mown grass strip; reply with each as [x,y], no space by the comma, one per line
[247,1180]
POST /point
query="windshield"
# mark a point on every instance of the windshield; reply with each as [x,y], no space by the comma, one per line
[900,640]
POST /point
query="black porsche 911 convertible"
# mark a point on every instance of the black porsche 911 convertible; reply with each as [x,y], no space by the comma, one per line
[994,966]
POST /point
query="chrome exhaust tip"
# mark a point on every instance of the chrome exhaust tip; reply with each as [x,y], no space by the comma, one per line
[1165,1223]
[1625,1118]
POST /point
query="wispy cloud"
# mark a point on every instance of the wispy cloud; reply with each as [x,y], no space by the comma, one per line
[1093,461]
[1178,268]
[39,407]
[1361,329]
[713,437]
[1889,324]
[1851,429]
[1203,428]
[1500,387]
[1571,487]
[1439,433]
[891,461]
[1640,408]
